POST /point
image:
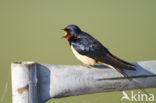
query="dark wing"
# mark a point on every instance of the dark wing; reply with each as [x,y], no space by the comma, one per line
[87,45]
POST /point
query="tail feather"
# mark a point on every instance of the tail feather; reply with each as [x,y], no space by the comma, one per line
[122,72]
[123,61]
[117,62]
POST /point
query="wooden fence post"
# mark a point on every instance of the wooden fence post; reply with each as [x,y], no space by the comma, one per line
[35,83]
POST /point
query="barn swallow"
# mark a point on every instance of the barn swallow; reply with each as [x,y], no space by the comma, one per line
[90,51]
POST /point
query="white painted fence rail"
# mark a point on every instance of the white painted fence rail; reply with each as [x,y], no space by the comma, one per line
[35,83]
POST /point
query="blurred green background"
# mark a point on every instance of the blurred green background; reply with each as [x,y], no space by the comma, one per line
[30,31]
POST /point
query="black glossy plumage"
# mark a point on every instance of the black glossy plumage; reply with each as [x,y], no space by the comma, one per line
[86,45]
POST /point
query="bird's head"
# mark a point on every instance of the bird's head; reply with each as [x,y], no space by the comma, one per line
[72,31]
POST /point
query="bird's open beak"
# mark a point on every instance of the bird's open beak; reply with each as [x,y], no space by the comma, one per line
[62,36]
[66,34]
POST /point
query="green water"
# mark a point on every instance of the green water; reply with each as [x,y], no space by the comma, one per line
[30,31]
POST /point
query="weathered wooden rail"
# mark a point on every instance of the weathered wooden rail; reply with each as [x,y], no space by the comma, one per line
[35,83]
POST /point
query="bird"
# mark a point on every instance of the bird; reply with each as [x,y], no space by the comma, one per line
[90,51]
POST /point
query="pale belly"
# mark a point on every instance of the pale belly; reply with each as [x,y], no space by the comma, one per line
[84,59]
